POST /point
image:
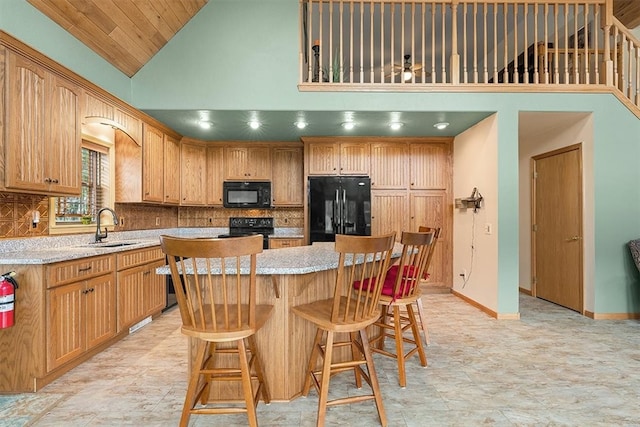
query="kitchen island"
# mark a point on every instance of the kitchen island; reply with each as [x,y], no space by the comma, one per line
[286,278]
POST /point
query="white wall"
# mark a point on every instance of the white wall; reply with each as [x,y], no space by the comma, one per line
[567,129]
[475,156]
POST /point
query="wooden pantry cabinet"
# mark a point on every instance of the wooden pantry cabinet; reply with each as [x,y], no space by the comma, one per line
[43,129]
[141,292]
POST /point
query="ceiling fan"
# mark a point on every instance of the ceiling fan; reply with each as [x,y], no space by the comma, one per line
[406,70]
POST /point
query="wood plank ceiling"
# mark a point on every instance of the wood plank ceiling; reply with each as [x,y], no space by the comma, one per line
[127,33]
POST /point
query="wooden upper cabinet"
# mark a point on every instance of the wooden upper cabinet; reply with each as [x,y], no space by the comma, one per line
[171,170]
[354,158]
[215,175]
[42,153]
[247,163]
[152,164]
[389,165]
[389,212]
[193,173]
[430,166]
[287,189]
[335,158]
[323,158]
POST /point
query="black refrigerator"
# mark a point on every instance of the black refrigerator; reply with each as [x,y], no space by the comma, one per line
[339,205]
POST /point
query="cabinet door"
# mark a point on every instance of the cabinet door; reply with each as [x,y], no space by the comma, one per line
[171,173]
[389,212]
[152,164]
[130,296]
[235,163]
[259,163]
[430,166]
[65,340]
[389,165]
[322,158]
[193,174]
[155,292]
[26,125]
[354,158]
[130,125]
[287,176]
[215,175]
[100,309]
[63,162]
[430,209]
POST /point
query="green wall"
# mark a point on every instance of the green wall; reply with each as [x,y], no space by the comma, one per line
[242,55]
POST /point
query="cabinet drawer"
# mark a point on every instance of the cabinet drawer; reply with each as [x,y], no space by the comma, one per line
[277,243]
[138,257]
[72,271]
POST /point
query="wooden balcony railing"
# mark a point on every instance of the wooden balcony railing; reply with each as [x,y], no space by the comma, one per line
[467,45]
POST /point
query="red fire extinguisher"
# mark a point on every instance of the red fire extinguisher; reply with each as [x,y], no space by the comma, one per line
[8,286]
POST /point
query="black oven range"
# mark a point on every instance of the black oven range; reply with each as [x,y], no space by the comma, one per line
[247,226]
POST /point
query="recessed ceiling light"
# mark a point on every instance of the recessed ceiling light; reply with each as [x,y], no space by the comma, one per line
[348,125]
[301,124]
[441,125]
[205,124]
[396,125]
[254,124]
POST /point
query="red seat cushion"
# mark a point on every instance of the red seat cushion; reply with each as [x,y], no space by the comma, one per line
[389,281]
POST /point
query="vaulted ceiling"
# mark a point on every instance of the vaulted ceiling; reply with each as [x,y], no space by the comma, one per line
[127,33]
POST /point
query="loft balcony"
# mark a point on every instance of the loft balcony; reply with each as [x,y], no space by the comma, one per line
[456,45]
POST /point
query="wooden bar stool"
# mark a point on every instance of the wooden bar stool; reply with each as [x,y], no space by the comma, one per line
[363,260]
[432,248]
[215,281]
[401,289]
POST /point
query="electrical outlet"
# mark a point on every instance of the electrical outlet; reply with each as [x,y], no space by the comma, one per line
[463,274]
[121,221]
[210,220]
[488,229]
[157,220]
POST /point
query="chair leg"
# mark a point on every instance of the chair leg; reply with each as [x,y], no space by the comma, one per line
[194,379]
[355,355]
[324,383]
[416,335]
[383,332]
[247,390]
[373,377]
[397,332]
[263,387]
[313,359]
[423,320]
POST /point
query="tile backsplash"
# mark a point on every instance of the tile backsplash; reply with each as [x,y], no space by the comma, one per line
[16,213]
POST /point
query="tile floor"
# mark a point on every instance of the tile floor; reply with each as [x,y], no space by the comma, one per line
[552,367]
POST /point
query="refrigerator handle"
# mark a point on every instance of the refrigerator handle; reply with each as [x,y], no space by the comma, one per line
[343,216]
[337,214]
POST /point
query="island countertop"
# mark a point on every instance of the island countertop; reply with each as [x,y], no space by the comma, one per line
[320,256]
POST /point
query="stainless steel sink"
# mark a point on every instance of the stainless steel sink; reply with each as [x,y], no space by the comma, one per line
[107,244]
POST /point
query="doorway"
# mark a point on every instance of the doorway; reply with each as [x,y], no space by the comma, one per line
[557,245]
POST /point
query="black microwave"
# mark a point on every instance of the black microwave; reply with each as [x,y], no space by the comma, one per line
[246,194]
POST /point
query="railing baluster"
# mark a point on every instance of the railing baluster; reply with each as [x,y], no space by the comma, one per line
[486,55]
[525,19]
[371,38]
[536,44]
[433,42]
[567,57]
[382,9]
[596,45]
[464,44]
[444,44]
[423,31]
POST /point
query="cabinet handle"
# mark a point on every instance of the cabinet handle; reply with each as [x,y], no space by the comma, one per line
[55,181]
[91,290]
[146,273]
[84,269]
[47,180]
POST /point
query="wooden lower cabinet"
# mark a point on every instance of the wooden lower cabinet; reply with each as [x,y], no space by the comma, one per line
[81,316]
[141,292]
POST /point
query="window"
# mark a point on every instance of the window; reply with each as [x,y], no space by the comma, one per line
[73,212]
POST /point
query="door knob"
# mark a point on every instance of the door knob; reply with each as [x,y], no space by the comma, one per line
[573,238]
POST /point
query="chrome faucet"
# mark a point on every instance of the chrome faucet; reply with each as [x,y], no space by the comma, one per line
[100,236]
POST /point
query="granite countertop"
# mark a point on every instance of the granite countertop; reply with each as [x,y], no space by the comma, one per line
[319,256]
[51,249]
